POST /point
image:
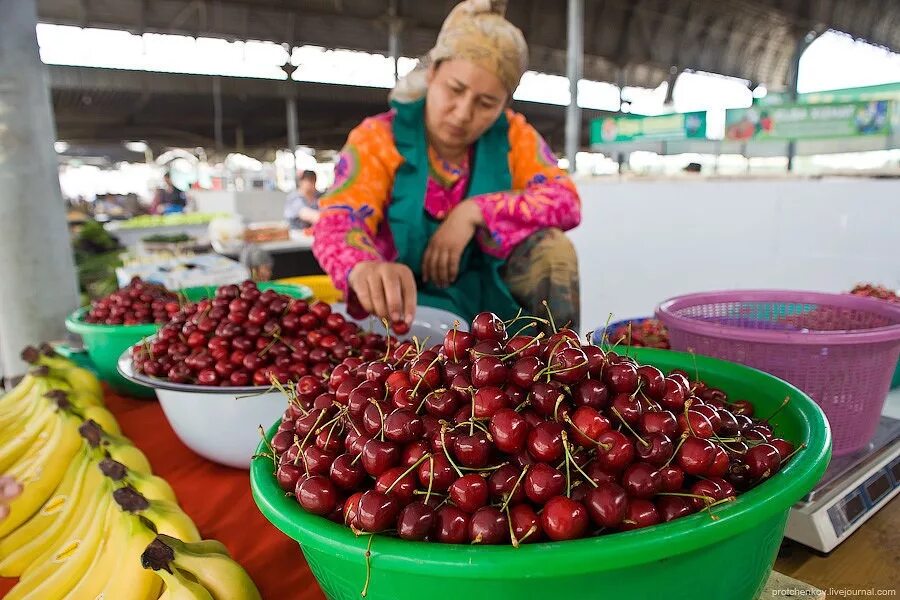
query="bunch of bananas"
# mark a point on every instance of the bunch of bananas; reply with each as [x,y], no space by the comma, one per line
[91,519]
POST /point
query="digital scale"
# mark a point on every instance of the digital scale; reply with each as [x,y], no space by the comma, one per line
[852,490]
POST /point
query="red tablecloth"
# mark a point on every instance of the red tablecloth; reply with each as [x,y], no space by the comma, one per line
[218,499]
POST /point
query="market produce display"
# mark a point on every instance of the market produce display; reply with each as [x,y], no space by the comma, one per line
[168,220]
[138,303]
[875,291]
[243,336]
[168,238]
[491,438]
[92,520]
[648,333]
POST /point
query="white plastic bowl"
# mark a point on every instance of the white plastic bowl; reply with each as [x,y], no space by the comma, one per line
[220,424]
[432,323]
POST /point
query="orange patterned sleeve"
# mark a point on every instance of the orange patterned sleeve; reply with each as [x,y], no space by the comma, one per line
[350,227]
[542,195]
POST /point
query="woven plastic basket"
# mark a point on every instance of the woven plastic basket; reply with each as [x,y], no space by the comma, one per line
[839,349]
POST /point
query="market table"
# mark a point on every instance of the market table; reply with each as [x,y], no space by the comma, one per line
[218,499]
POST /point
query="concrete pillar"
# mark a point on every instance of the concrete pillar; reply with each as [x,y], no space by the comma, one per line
[574,58]
[293,133]
[802,44]
[38,286]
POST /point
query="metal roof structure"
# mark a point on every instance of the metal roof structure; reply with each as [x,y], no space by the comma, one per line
[635,42]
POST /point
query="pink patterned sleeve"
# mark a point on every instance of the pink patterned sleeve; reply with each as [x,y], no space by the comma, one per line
[349,230]
[542,195]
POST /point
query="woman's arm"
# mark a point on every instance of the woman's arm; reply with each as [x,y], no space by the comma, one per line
[351,212]
[542,195]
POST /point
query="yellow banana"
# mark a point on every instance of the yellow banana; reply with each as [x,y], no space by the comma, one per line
[166,516]
[75,376]
[128,579]
[23,546]
[180,586]
[22,440]
[12,418]
[69,562]
[116,447]
[224,578]
[103,418]
[92,495]
[207,547]
[12,402]
[44,471]
[149,486]
[82,399]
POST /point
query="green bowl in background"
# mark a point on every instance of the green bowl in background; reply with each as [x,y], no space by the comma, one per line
[690,558]
[104,344]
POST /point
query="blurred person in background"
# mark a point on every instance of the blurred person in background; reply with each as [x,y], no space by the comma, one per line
[301,207]
[451,199]
[169,198]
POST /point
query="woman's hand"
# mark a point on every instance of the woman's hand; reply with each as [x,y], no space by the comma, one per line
[440,263]
[9,490]
[386,290]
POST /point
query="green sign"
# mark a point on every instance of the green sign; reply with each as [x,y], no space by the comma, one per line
[634,128]
[885,91]
[808,121]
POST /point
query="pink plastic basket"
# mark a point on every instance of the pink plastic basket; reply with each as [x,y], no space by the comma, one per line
[839,349]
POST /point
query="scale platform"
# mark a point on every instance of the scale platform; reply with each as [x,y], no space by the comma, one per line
[852,490]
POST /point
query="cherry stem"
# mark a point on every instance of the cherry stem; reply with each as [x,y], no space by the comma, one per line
[368,555]
[574,462]
[534,340]
[604,339]
[791,455]
[430,477]
[628,347]
[579,430]
[531,531]
[696,370]
[331,431]
[446,451]
[387,350]
[408,471]
[512,533]
[521,329]
[628,427]
[708,500]
[512,492]
[568,474]
[687,419]
[321,428]
[684,436]
[262,432]
[520,317]
[422,403]
[550,371]
[549,315]
[309,433]
[784,403]
[380,416]
[428,368]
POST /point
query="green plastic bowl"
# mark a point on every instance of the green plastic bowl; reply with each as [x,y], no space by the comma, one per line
[690,558]
[104,344]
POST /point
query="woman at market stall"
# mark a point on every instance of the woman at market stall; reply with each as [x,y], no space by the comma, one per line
[451,199]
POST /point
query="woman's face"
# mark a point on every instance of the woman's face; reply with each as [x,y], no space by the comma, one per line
[463,100]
